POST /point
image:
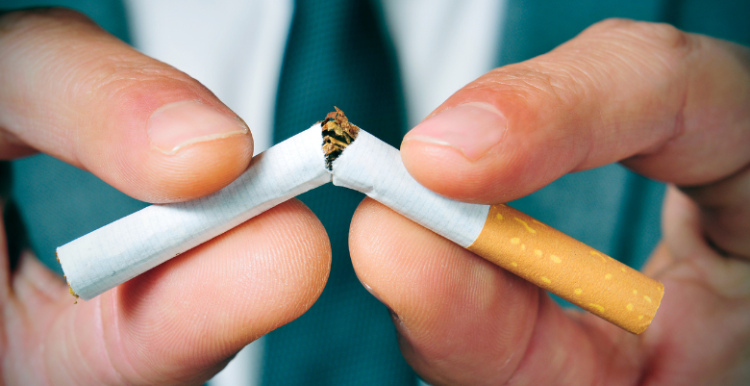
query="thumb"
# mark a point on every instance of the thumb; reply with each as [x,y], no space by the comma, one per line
[69,89]
[672,104]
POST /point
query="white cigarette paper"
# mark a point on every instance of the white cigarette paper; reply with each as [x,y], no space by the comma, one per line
[122,250]
[374,168]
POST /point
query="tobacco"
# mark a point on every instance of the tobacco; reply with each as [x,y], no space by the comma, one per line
[338,133]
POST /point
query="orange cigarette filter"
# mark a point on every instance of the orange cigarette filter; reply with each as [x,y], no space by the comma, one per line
[568,268]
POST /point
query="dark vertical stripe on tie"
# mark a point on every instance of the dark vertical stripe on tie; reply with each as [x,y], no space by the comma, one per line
[338,54]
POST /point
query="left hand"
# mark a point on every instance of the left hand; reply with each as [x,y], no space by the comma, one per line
[670,105]
[71,90]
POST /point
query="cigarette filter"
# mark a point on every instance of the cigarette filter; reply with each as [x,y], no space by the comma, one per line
[353,158]
[568,268]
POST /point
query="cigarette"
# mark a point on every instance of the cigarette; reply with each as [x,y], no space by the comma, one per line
[353,158]
[122,250]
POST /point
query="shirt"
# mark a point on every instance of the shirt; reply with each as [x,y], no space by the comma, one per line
[236,47]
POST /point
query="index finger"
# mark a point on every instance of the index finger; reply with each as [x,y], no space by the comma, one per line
[71,90]
[672,104]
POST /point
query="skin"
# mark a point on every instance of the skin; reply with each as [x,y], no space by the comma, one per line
[669,105]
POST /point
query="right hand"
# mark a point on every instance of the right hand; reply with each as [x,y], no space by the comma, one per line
[69,89]
[669,105]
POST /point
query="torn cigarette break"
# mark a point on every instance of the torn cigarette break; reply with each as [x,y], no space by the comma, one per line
[338,133]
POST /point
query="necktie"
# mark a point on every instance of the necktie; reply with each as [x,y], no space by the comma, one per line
[337,54]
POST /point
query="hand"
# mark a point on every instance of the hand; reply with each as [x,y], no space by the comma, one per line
[69,89]
[669,105]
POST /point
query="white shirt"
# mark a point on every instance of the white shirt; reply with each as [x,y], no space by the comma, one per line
[236,48]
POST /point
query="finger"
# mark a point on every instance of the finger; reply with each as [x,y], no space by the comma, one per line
[704,317]
[725,211]
[672,104]
[462,320]
[180,322]
[693,258]
[72,90]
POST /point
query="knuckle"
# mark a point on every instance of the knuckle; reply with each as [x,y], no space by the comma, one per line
[660,39]
[117,70]
[530,84]
[115,73]
[667,37]
[657,53]
[586,65]
[129,82]
[611,24]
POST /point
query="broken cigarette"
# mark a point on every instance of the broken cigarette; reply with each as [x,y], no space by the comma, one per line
[352,158]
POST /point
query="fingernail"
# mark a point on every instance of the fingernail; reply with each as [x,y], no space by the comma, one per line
[180,124]
[472,128]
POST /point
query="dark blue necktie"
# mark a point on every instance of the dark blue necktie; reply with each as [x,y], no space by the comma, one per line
[338,54]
